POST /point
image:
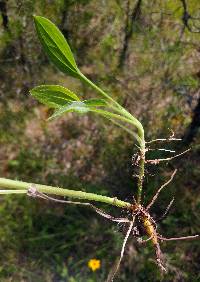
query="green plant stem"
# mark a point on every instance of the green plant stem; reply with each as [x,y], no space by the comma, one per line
[113,115]
[24,186]
[118,107]
[141,172]
[98,89]
[127,117]
[7,192]
[137,138]
[134,121]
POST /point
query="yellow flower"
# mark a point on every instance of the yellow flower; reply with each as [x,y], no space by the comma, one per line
[94,264]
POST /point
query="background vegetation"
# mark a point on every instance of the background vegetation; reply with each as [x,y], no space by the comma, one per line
[147,54]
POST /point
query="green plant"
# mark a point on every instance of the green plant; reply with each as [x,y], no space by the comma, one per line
[63,100]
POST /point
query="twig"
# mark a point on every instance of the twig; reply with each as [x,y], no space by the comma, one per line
[160,189]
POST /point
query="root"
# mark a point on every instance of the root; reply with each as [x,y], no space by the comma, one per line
[141,241]
[113,274]
[157,161]
[178,238]
[159,258]
[160,189]
[166,211]
[142,217]
[169,139]
[163,140]
[162,149]
[33,192]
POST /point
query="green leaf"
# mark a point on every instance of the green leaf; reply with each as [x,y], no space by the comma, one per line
[56,46]
[54,96]
[95,103]
[77,106]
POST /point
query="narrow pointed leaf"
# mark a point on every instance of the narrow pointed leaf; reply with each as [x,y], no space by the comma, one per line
[77,106]
[54,96]
[55,45]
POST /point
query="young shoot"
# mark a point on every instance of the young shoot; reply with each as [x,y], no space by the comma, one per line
[63,101]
